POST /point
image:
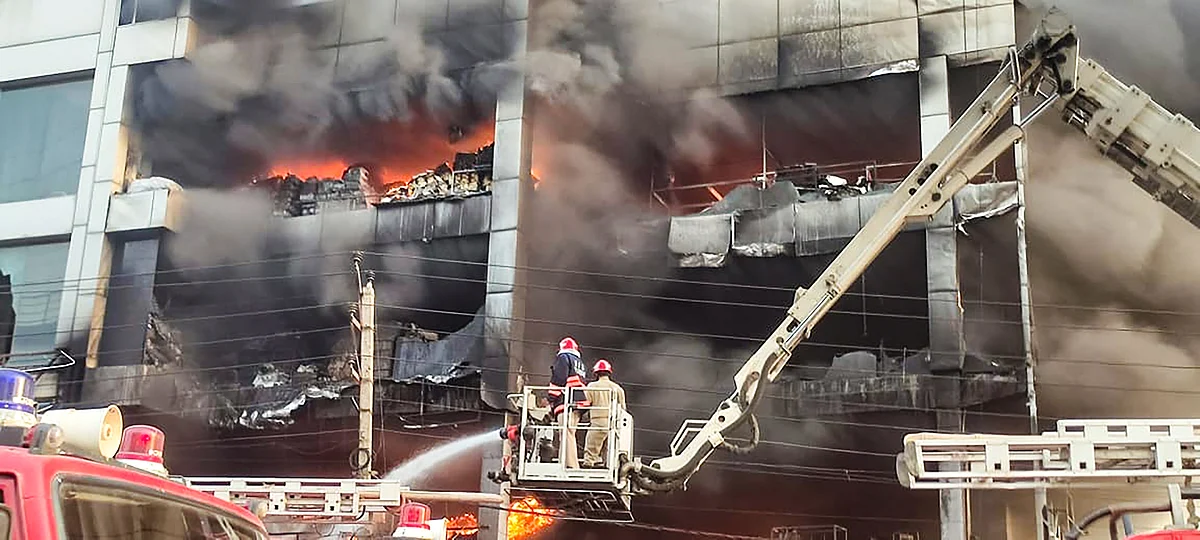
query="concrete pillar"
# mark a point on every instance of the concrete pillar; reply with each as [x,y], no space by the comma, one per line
[945,308]
[105,148]
[105,170]
[504,306]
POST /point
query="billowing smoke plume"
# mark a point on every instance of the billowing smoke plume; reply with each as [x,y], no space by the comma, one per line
[263,89]
[1111,271]
[1110,267]
[613,104]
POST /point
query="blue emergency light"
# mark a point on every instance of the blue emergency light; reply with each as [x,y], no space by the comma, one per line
[17,406]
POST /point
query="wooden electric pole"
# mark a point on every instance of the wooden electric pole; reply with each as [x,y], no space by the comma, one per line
[364,455]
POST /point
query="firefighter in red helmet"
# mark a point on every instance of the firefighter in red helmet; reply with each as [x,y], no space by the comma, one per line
[605,395]
[567,372]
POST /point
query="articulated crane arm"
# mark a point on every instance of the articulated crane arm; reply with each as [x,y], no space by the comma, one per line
[1045,67]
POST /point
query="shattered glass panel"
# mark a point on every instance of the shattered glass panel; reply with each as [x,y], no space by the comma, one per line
[41,139]
[37,272]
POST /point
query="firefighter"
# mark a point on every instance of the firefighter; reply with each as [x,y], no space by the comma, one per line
[568,371]
[602,401]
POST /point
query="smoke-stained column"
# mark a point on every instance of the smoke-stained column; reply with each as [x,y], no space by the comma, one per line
[945,309]
[103,173]
[504,307]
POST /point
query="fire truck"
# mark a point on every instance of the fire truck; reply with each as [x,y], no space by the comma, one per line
[1079,454]
[1160,149]
[80,474]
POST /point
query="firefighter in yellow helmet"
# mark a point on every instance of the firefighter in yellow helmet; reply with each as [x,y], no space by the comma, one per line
[603,401]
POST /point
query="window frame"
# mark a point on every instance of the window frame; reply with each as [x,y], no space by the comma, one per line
[60,79]
[54,289]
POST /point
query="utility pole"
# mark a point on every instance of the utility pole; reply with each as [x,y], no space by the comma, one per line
[365,453]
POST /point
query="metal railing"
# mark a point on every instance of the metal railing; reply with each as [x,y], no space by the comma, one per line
[540,430]
[872,172]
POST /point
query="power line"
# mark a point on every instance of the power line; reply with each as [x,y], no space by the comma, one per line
[646,385]
[650,386]
[564,289]
[726,360]
[790,290]
[749,339]
[170,271]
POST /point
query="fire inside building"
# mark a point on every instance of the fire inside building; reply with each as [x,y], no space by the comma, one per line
[217,181]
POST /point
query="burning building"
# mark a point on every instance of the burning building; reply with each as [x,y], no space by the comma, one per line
[209,169]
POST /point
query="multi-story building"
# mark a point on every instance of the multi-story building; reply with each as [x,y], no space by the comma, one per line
[848,88]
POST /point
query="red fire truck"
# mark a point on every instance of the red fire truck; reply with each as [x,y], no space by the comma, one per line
[59,479]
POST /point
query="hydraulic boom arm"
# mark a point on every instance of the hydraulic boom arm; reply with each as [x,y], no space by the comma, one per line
[1045,67]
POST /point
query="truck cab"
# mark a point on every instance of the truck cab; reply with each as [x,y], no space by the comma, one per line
[70,498]
[59,479]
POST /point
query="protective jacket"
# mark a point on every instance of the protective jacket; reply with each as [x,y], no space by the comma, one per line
[567,371]
[602,400]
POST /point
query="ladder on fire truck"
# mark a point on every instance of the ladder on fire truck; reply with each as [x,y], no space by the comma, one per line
[1080,453]
[324,500]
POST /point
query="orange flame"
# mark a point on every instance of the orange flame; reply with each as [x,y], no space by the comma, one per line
[462,525]
[528,518]
[392,169]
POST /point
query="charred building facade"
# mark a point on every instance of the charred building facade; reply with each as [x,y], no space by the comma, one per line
[181,227]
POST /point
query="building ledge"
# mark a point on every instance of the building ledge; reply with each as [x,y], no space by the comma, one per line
[145,210]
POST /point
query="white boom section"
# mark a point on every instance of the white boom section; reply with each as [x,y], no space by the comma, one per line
[1159,147]
[1080,453]
[1048,60]
[323,499]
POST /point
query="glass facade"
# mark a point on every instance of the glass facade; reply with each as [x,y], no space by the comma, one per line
[41,139]
[37,272]
[136,11]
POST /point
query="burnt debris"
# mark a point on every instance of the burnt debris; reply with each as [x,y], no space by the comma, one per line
[294,196]
[470,173]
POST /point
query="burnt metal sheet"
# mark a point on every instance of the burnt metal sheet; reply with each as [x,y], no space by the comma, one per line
[967,30]
[749,61]
[824,227]
[456,355]
[744,20]
[983,201]
[856,12]
[416,221]
[768,232]
[879,43]
[476,214]
[701,234]
[447,219]
[812,52]
[808,15]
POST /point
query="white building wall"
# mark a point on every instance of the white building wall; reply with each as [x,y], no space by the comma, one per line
[41,41]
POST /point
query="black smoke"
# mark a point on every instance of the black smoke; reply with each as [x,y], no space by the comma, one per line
[261,87]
